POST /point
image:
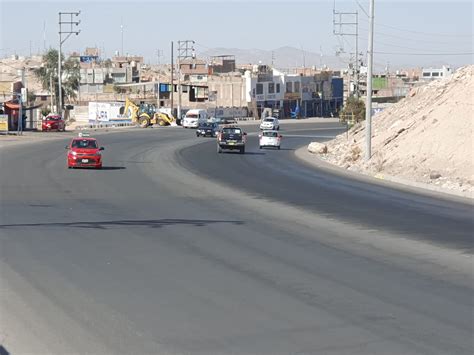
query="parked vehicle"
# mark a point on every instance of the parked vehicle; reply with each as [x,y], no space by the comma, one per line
[231,138]
[270,138]
[194,118]
[271,123]
[207,130]
[53,123]
[84,152]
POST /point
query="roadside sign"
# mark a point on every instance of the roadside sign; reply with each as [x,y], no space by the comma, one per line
[24,95]
[3,123]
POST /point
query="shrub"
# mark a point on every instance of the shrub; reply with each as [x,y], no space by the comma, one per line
[354,108]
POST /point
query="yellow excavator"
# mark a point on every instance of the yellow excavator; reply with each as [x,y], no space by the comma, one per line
[146,114]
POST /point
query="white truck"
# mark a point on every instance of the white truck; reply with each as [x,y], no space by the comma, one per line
[194,118]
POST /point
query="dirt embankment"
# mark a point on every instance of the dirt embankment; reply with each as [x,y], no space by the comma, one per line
[426,137]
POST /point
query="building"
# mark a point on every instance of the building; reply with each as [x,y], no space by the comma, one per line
[436,73]
[228,90]
[99,76]
[293,94]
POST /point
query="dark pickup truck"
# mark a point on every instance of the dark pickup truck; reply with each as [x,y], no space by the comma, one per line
[231,138]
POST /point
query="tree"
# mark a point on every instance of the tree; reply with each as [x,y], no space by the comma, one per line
[354,109]
[48,75]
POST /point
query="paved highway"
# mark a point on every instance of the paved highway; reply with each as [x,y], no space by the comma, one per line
[174,249]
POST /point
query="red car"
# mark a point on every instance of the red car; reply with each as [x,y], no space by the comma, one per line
[84,152]
[53,122]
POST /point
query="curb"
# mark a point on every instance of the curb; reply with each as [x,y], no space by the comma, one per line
[381,179]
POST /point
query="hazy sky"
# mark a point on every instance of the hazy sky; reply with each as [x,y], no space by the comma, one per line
[409,30]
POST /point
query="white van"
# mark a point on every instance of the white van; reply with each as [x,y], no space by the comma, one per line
[194,118]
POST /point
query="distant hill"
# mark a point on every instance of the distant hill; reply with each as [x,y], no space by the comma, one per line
[284,57]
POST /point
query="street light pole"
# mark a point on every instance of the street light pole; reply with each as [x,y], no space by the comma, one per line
[68,30]
[172,79]
[368,106]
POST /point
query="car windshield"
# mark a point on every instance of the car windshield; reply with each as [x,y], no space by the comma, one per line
[268,119]
[53,118]
[192,115]
[232,131]
[84,144]
[205,125]
[270,134]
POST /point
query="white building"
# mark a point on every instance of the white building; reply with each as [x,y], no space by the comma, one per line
[436,73]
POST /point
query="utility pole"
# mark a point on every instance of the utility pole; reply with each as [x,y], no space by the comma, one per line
[172,77]
[20,114]
[347,24]
[184,49]
[44,36]
[121,31]
[65,27]
[51,90]
[368,106]
[159,54]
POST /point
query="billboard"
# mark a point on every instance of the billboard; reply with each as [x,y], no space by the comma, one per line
[3,123]
[88,58]
[106,112]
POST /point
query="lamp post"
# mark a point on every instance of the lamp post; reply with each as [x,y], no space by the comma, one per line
[368,106]
[65,27]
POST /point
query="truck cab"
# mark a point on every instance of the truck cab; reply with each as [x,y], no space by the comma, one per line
[194,118]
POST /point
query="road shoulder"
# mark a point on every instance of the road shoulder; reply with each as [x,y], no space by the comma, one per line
[313,160]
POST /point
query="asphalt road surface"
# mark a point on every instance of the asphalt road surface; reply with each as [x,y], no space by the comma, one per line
[175,249]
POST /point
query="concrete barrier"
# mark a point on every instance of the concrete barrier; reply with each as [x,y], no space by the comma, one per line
[105,125]
[245,119]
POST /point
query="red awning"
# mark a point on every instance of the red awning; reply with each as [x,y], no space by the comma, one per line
[12,106]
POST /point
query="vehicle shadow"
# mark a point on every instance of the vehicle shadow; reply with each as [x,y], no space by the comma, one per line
[113,168]
[103,168]
[246,153]
[3,351]
[149,223]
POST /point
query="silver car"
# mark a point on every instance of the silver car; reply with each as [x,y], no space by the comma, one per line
[270,123]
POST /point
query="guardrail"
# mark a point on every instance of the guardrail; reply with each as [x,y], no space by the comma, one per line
[245,119]
[129,124]
[105,125]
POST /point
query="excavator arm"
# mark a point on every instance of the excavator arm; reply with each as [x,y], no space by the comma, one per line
[130,110]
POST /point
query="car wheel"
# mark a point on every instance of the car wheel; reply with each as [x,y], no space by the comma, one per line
[242,150]
[260,147]
[278,147]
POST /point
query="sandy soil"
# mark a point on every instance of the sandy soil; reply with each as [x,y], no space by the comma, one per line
[426,137]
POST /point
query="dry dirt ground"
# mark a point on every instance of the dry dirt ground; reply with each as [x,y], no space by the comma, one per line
[426,137]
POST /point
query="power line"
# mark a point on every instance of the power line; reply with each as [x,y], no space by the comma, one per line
[408,53]
[407,38]
[420,32]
